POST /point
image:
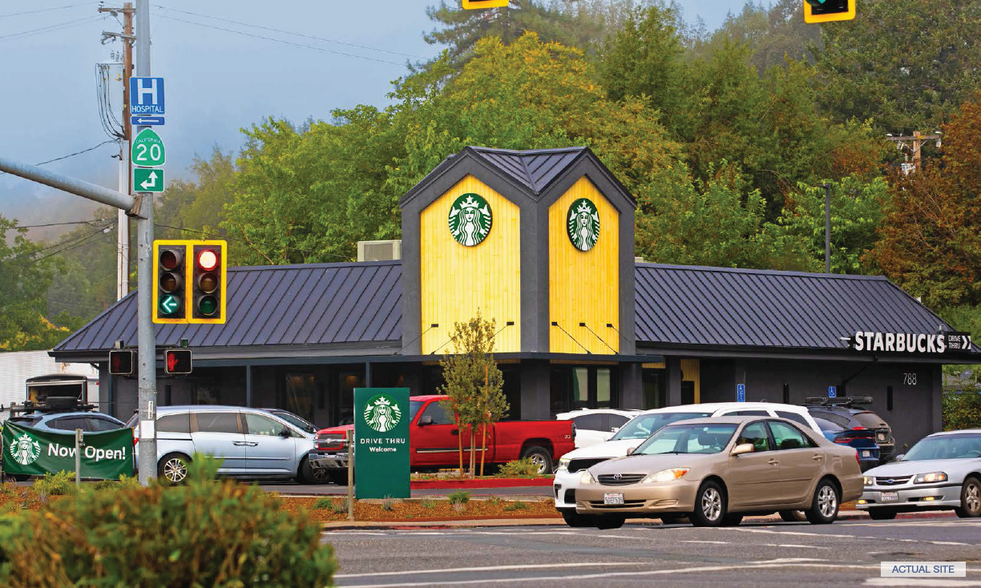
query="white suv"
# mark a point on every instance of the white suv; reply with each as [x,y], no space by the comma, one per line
[596,425]
[644,424]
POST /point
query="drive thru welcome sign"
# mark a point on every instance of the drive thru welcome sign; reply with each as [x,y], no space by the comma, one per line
[33,452]
[381,442]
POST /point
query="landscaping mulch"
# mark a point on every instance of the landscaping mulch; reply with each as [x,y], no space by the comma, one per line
[323,509]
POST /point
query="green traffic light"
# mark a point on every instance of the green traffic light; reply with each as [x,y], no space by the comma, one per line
[817,3]
[169,305]
[208,305]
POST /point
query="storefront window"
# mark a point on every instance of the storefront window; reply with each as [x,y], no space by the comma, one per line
[603,384]
[300,389]
[580,388]
[343,410]
[655,390]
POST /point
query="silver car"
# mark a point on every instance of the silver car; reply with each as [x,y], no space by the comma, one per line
[941,472]
[252,443]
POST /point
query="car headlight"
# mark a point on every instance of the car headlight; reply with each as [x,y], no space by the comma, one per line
[586,478]
[564,464]
[930,478]
[666,475]
[869,480]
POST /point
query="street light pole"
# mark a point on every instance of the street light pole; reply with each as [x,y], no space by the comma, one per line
[827,228]
[146,339]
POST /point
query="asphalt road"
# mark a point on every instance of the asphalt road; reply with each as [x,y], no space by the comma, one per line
[752,555]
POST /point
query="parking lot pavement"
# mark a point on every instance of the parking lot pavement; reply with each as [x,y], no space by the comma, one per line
[334,490]
[845,553]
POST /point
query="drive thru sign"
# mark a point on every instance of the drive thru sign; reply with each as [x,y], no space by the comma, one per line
[381,442]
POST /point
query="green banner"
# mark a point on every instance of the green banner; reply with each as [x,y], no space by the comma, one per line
[35,452]
[381,443]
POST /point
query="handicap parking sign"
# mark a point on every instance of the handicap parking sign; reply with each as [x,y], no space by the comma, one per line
[832,392]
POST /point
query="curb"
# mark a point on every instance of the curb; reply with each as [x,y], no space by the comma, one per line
[477,484]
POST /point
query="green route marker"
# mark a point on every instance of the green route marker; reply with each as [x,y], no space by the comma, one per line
[169,304]
[148,149]
[148,179]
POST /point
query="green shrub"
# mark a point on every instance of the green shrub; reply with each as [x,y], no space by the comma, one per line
[428,504]
[203,533]
[388,505]
[516,505]
[323,504]
[961,410]
[459,497]
[60,484]
[519,468]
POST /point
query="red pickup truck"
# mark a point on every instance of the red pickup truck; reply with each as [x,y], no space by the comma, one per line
[434,441]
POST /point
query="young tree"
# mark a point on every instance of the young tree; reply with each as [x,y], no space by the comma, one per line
[474,384]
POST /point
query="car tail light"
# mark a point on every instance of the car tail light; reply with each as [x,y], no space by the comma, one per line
[857,460]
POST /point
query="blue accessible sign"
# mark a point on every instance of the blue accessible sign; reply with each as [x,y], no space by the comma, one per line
[146,96]
[832,392]
[740,392]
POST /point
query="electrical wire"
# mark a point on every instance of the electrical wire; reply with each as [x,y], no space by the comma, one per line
[75,244]
[217,28]
[83,222]
[9,14]
[93,148]
[107,114]
[54,27]
[265,28]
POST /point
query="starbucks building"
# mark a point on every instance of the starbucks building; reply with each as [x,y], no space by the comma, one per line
[541,243]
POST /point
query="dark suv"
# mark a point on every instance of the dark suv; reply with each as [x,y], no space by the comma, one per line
[848,413]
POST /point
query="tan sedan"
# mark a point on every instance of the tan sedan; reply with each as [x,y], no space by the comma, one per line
[717,470]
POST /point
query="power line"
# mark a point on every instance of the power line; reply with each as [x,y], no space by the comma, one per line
[200,24]
[78,243]
[54,27]
[83,222]
[265,28]
[46,9]
[93,148]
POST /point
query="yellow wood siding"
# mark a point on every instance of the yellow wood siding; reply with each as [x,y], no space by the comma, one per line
[456,280]
[583,286]
[690,373]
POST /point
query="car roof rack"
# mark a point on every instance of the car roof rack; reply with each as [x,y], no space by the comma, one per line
[846,401]
[51,404]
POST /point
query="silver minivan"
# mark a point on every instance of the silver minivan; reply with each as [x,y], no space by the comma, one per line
[252,443]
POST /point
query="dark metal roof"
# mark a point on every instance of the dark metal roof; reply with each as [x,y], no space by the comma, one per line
[682,305]
[313,304]
[532,169]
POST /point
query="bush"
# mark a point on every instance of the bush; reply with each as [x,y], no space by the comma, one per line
[123,483]
[60,484]
[204,533]
[429,504]
[516,505]
[388,505]
[961,410]
[459,497]
[519,468]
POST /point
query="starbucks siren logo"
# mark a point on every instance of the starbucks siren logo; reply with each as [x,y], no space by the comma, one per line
[25,450]
[583,224]
[382,413]
[470,219]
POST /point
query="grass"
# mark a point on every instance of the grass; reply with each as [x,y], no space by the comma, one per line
[459,497]
[516,505]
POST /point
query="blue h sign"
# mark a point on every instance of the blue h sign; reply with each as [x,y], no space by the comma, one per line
[146,96]
[832,392]
[740,392]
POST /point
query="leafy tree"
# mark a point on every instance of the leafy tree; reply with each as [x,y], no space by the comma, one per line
[474,384]
[905,65]
[930,243]
[197,206]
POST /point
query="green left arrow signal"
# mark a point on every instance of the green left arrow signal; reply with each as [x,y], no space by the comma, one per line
[169,304]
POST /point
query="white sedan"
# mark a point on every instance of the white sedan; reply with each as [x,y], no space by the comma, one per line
[596,425]
[942,471]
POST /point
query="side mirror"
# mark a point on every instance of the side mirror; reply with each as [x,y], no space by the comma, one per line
[426,420]
[899,457]
[614,429]
[742,448]
[284,433]
[632,450]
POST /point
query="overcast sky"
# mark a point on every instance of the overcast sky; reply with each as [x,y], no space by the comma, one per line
[217,81]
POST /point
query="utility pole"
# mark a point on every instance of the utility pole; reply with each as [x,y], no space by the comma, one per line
[914,143]
[122,221]
[147,338]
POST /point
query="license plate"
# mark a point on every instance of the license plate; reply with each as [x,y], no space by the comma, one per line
[616,498]
[889,497]
[866,454]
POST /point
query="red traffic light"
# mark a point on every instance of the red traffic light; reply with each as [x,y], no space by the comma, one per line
[207,259]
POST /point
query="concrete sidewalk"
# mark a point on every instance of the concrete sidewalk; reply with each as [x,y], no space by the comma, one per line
[845,515]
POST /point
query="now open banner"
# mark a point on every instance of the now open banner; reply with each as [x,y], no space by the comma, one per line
[33,452]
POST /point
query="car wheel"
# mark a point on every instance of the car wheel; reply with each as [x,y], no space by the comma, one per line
[672,519]
[309,475]
[574,519]
[540,457]
[710,506]
[337,477]
[970,499]
[792,516]
[824,506]
[882,514]
[732,520]
[173,468]
[608,521]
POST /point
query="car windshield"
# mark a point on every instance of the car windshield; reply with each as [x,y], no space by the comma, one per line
[298,421]
[414,406]
[711,438]
[641,427]
[946,447]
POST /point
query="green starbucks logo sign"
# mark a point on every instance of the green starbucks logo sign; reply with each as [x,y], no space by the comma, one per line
[470,219]
[25,450]
[382,413]
[583,224]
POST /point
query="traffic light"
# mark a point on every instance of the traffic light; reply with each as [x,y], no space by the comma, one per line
[816,11]
[478,4]
[177,361]
[169,274]
[121,362]
[208,282]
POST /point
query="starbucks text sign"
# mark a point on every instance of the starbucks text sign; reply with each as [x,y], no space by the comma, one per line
[35,452]
[381,442]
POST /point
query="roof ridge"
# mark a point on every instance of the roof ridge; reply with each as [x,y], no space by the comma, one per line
[316,265]
[741,270]
[526,152]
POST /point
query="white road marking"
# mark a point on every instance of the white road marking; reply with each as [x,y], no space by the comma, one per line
[712,542]
[599,564]
[920,582]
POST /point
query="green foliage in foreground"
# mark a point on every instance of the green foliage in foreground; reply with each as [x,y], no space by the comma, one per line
[961,411]
[204,533]
[459,497]
[518,468]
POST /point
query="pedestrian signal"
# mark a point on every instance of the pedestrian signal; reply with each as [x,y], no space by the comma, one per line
[817,11]
[177,361]
[121,362]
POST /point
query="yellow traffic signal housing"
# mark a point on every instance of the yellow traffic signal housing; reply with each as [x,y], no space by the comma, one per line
[190,279]
[478,4]
[818,11]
